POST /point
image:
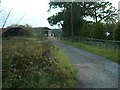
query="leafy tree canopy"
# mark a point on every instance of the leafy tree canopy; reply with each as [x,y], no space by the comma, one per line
[78,13]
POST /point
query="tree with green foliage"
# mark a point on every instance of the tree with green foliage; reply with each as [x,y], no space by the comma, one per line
[63,18]
[85,30]
[78,12]
[99,31]
[103,12]
[116,32]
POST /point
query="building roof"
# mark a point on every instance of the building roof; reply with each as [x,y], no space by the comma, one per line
[41,28]
[11,31]
[46,28]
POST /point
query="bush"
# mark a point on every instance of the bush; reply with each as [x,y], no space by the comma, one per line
[30,64]
[85,30]
[99,31]
[116,32]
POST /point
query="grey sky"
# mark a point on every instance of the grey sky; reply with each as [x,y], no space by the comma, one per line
[34,11]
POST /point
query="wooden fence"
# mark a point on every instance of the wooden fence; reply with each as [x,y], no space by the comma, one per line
[105,44]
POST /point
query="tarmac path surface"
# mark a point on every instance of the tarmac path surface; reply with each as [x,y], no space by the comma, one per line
[93,71]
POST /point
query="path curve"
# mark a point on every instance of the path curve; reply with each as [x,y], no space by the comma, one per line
[93,71]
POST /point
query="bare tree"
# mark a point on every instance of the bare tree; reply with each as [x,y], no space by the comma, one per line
[7,18]
[4,16]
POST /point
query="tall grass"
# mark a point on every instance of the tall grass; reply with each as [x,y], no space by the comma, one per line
[65,66]
[25,66]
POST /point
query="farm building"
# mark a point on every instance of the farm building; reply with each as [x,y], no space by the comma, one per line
[18,31]
[43,30]
[15,31]
[47,31]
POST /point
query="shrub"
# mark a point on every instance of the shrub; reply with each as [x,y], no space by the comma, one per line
[98,31]
[30,64]
[116,32]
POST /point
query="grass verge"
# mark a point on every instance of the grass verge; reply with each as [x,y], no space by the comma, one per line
[28,63]
[109,54]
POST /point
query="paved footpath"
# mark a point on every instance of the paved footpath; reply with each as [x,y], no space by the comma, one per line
[93,71]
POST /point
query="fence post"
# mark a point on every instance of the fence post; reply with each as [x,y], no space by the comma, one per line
[115,47]
[106,44]
[94,41]
[99,44]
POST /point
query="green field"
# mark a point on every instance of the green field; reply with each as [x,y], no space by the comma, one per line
[30,63]
[109,54]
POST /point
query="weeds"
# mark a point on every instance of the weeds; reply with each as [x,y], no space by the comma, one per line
[30,64]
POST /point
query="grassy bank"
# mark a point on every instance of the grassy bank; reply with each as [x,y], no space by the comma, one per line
[30,63]
[109,54]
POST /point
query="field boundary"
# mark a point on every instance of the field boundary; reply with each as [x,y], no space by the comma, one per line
[101,43]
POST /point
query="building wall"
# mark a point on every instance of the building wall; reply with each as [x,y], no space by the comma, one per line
[43,30]
[48,32]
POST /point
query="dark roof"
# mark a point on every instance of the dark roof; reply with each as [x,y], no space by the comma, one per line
[46,28]
[11,30]
[2,30]
[41,28]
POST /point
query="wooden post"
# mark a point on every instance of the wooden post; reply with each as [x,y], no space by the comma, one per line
[106,44]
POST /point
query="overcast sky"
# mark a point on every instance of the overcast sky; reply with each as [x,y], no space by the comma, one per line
[34,11]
